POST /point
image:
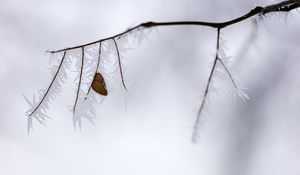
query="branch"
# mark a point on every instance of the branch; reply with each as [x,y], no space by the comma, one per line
[120,64]
[195,129]
[284,6]
[49,87]
[79,83]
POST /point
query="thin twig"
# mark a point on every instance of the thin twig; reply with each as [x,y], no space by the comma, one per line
[195,129]
[49,87]
[228,72]
[284,6]
[120,64]
[79,83]
[98,62]
[99,57]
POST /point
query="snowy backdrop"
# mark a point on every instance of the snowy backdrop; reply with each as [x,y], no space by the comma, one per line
[148,130]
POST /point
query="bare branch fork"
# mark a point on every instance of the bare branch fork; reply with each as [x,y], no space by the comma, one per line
[196,125]
[284,6]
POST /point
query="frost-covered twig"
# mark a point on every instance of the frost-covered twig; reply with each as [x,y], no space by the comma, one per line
[49,87]
[228,72]
[204,98]
[120,64]
[39,107]
[79,83]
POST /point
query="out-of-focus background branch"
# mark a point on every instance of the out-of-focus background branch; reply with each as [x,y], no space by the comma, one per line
[166,74]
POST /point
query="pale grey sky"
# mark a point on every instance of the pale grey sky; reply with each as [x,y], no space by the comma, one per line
[165,75]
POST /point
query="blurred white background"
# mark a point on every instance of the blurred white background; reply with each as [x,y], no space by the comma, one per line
[165,76]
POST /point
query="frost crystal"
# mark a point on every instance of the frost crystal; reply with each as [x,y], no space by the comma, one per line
[239,92]
[85,109]
[224,61]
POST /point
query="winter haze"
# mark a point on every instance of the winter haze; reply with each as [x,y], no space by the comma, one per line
[148,130]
